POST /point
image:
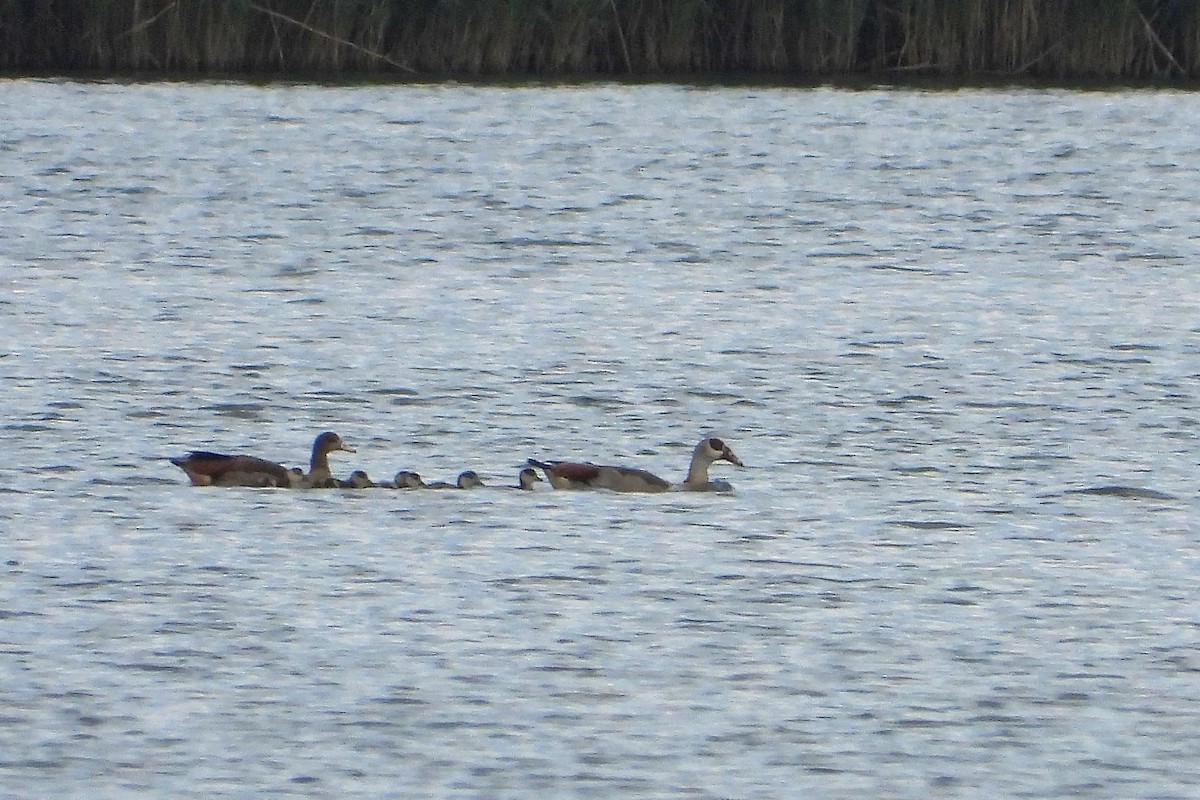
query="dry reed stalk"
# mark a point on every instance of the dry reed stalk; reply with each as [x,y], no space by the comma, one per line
[965,38]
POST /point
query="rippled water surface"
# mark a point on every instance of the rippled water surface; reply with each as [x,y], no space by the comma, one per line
[953,336]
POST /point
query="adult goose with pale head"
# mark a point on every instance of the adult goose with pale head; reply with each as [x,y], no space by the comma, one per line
[585,475]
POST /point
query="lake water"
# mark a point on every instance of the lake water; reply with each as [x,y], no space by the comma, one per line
[954,336]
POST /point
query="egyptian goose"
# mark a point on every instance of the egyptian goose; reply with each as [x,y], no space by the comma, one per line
[318,466]
[205,468]
[575,475]
[466,480]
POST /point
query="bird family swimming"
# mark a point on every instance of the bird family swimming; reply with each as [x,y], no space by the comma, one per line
[206,468]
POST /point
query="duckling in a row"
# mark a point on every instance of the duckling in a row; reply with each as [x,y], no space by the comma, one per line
[407,480]
[358,480]
[526,478]
[466,480]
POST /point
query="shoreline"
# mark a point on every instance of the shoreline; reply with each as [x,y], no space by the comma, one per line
[849,83]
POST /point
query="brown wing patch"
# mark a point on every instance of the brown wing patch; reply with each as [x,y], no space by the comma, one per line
[203,462]
[576,472]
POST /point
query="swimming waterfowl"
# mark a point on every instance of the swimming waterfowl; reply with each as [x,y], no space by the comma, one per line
[583,475]
[358,480]
[302,481]
[205,468]
[469,480]
[707,451]
[407,480]
[319,475]
[526,478]
[466,480]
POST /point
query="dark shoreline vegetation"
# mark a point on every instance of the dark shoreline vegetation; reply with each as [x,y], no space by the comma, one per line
[780,40]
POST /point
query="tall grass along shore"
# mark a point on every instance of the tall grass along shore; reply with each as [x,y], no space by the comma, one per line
[797,39]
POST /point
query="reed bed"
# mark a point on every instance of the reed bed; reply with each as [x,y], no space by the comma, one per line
[958,39]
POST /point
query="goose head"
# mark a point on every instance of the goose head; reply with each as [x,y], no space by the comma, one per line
[715,449]
[329,441]
[709,449]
